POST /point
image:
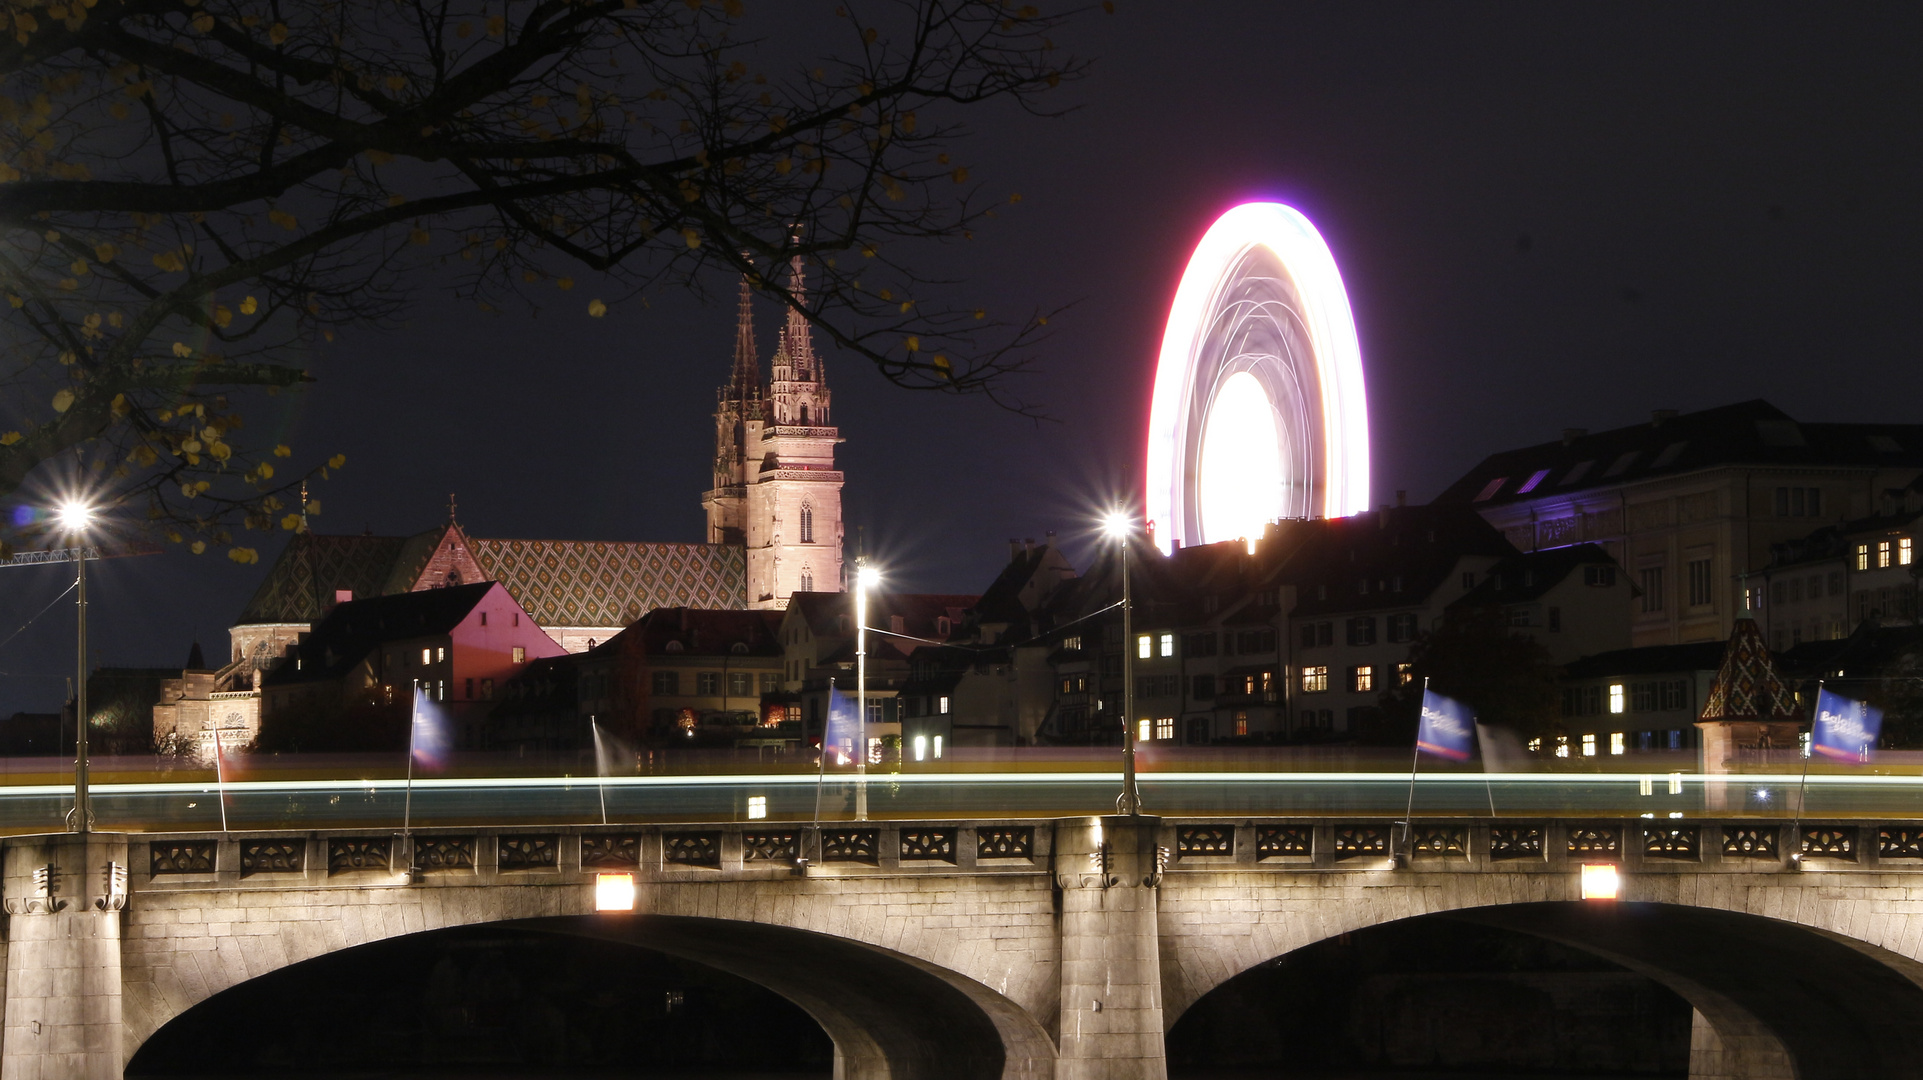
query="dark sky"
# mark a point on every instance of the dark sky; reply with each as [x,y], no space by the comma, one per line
[1546,215]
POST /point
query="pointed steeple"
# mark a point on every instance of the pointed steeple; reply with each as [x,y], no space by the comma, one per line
[745,381]
[796,341]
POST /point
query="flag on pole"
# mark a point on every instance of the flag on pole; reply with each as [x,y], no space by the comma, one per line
[1447,729]
[1846,729]
[843,725]
[427,738]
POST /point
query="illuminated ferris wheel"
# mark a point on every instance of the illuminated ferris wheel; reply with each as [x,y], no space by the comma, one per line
[1259,411]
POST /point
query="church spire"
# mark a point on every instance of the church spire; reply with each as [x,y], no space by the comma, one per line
[795,337]
[745,382]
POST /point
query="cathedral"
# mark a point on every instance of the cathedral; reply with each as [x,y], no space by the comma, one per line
[776,489]
[773,530]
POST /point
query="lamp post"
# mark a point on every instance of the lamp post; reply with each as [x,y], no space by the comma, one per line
[865,578]
[1121,529]
[74,517]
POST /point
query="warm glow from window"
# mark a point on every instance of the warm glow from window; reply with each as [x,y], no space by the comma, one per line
[1905,554]
[938,746]
[1241,476]
[425,654]
[1165,727]
[757,807]
[1617,744]
[1616,698]
[1589,746]
[1144,730]
[1600,881]
[1144,647]
[1168,644]
[614,892]
[921,748]
[944,705]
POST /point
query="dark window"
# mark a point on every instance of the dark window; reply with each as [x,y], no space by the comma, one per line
[667,682]
[1701,592]
[1600,576]
[1204,687]
[1325,633]
[1555,619]
[1652,588]
[807,526]
[467,692]
[1402,627]
[1251,642]
[1362,630]
[1308,635]
[487,689]
[708,682]
[1202,644]
[741,683]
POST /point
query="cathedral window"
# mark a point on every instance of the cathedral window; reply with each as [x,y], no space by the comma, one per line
[807,524]
[807,581]
[804,414]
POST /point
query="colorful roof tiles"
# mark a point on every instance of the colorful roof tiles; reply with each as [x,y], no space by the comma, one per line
[1748,686]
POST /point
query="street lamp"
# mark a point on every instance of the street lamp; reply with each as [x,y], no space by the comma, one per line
[73,518]
[1121,529]
[866,577]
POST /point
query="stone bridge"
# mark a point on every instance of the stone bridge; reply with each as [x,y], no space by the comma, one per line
[991,950]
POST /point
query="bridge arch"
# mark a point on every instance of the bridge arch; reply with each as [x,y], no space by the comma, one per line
[1799,977]
[901,999]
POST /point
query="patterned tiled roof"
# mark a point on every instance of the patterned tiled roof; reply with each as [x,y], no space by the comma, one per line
[594,583]
[1748,686]
[301,585]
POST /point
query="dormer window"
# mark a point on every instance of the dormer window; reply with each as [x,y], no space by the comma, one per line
[739,648]
[672,646]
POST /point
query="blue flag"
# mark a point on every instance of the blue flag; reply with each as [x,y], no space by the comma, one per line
[1448,727]
[1846,729]
[843,726]
[428,735]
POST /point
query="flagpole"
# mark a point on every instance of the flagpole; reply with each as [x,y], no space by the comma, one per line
[1415,759]
[407,802]
[1802,785]
[220,782]
[821,772]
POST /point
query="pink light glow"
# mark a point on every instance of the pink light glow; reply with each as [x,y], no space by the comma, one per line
[1261,265]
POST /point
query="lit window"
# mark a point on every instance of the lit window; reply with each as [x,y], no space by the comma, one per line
[1862,556]
[1535,745]
[1241,725]
[1168,644]
[1144,647]
[1616,698]
[440,654]
[520,655]
[1362,679]
[1562,746]
[1144,730]
[757,807]
[1073,641]
[1904,554]
[425,654]
[938,746]
[1882,554]
[1404,675]
[1589,745]
[921,748]
[1315,680]
[943,706]
[1165,727]
[1616,744]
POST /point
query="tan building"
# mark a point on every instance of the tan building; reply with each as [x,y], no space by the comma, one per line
[1691,504]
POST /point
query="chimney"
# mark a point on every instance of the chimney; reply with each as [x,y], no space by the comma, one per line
[1657,416]
[1402,497]
[1571,434]
[1014,550]
[1048,538]
[1028,545]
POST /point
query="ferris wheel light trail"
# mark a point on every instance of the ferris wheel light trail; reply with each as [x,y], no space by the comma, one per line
[1259,411]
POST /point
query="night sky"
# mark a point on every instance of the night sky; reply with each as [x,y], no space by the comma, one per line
[1546,217]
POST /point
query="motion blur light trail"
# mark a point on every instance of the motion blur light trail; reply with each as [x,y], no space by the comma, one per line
[1259,410]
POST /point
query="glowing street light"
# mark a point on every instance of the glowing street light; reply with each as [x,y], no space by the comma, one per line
[614,892]
[866,578]
[74,517]
[1121,528]
[1600,881]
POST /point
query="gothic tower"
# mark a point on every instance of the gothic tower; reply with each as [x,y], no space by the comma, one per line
[739,414]
[794,490]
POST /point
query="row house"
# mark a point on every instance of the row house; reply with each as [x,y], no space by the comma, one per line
[688,676]
[1822,586]
[1691,504]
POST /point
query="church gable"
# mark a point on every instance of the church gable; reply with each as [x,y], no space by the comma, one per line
[450,562]
[313,569]
[586,583]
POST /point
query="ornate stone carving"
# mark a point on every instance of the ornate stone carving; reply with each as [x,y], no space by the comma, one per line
[1276,841]
[347,853]
[272,856]
[183,857]
[604,851]
[691,849]
[527,852]
[1193,840]
[115,898]
[444,852]
[1356,841]
[1005,842]
[1899,842]
[1515,842]
[780,847]
[1830,841]
[1595,839]
[928,845]
[42,901]
[1439,841]
[851,845]
[1750,841]
[1672,842]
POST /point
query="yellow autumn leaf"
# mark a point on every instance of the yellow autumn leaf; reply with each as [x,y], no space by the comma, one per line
[277,33]
[597,309]
[913,343]
[266,471]
[105,252]
[944,367]
[10,438]
[223,315]
[63,401]
[960,175]
[197,547]
[120,405]
[496,26]
[284,219]
[169,261]
[418,237]
[564,284]
[243,555]
[182,349]
[290,522]
[283,450]
[314,507]
[249,306]
[693,238]
[337,461]
[203,22]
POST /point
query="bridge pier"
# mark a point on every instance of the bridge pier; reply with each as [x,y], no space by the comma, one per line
[1108,869]
[64,896]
